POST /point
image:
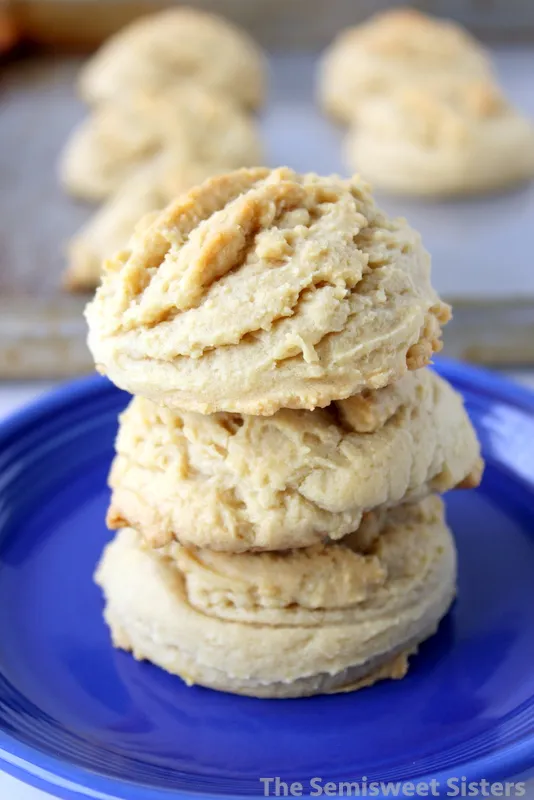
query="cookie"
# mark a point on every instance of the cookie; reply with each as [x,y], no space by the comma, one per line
[162,50]
[324,619]
[263,289]
[149,189]
[235,483]
[464,140]
[395,48]
[119,137]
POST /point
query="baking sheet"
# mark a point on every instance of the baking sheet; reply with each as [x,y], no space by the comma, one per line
[480,247]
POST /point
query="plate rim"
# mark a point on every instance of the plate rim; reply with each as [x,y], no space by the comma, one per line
[62,778]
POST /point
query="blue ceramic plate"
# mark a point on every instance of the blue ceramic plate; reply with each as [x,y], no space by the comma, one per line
[79,719]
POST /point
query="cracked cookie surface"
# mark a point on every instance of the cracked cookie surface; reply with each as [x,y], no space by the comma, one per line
[238,482]
[327,618]
[263,289]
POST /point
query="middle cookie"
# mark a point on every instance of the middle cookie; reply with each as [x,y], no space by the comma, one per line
[235,482]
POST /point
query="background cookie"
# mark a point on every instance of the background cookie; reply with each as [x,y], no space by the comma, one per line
[123,135]
[162,50]
[459,140]
[262,290]
[397,47]
[235,623]
[235,483]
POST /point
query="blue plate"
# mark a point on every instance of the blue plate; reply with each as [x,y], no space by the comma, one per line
[79,719]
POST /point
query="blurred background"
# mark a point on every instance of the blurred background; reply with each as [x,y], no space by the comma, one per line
[481,246]
[275,24]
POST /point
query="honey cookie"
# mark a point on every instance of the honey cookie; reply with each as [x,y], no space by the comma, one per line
[329,618]
[234,482]
[263,289]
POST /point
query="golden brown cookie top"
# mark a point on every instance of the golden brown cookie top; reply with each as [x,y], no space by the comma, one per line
[162,50]
[264,289]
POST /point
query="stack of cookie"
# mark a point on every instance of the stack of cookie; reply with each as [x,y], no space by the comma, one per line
[171,99]
[277,473]
[425,115]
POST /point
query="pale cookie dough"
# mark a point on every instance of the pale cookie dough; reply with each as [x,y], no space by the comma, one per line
[162,50]
[328,618]
[235,483]
[109,230]
[262,290]
[118,138]
[464,140]
[395,48]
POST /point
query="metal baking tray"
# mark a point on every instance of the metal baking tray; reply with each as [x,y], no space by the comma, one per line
[480,247]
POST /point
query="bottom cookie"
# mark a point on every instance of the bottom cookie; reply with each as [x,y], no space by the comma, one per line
[328,618]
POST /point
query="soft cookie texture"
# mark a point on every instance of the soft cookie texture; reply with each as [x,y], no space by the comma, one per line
[150,189]
[324,619]
[262,290]
[460,140]
[112,143]
[162,50]
[395,48]
[233,482]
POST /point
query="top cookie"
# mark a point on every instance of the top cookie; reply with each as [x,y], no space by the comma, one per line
[397,47]
[262,290]
[161,50]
